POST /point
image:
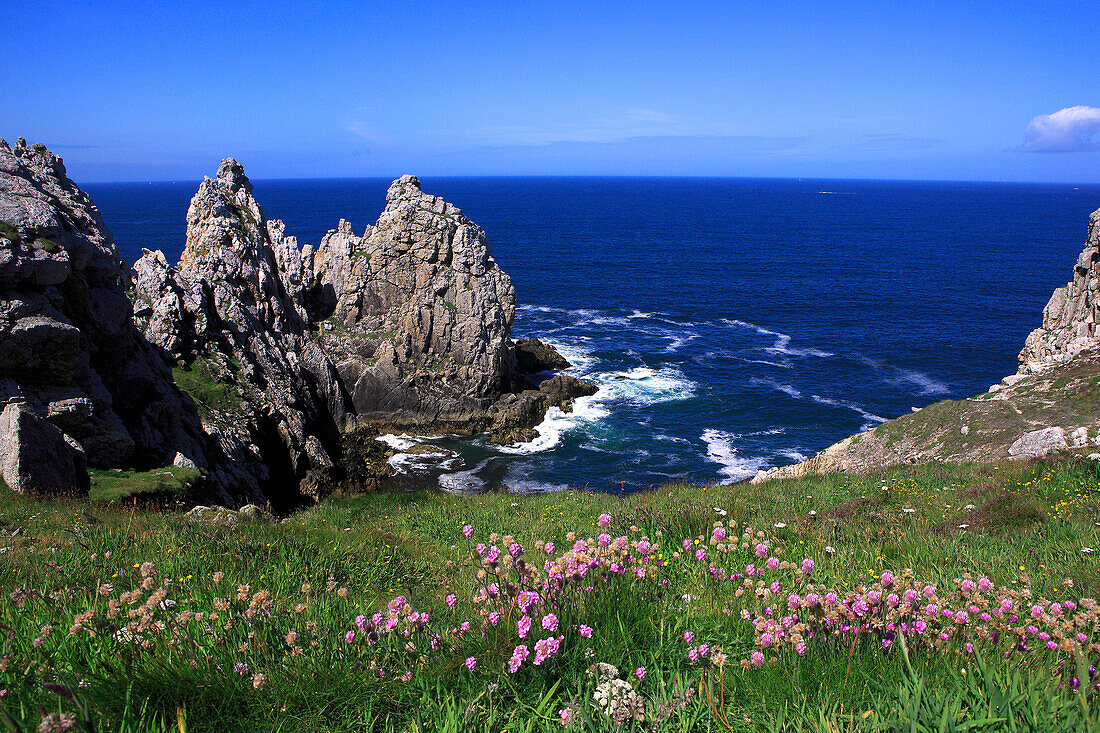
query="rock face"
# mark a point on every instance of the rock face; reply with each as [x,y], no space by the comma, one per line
[415,313]
[68,348]
[1069,319]
[37,458]
[290,352]
[534,356]
[267,393]
[515,414]
[281,352]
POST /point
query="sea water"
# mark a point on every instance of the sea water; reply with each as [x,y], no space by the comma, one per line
[730,324]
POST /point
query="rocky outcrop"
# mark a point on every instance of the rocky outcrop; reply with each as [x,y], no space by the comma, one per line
[534,357]
[415,314]
[280,350]
[297,356]
[240,336]
[37,458]
[1070,318]
[515,415]
[68,348]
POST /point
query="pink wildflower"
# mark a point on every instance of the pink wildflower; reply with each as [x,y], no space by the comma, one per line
[807,565]
[586,631]
[640,673]
[688,637]
[604,520]
[524,627]
[550,622]
[349,637]
[468,531]
[549,547]
[773,563]
[519,656]
[450,599]
[471,662]
[701,554]
[761,550]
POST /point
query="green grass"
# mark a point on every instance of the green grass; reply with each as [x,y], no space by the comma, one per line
[357,553]
[210,393]
[116,486]
[8,232]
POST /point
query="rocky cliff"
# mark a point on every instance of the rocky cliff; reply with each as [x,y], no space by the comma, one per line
[290,349]
[258,361]
[1052,404]
[268,395]
[1069,319]
[417,314]
[69,351]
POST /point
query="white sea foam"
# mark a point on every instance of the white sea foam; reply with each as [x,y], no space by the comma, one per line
[720,450]
[580,359]
[638,386]
[782,344]
[556,423]
[794,455]
[399,442]
[422,463]
[517,481]
[870,419]
[928,385]
[676,340]
[644,386]
[463,482]
[784,388]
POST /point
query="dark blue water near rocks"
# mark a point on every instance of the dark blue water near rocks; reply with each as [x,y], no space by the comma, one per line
[731,324]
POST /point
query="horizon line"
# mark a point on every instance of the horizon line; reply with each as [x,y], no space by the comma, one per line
[566,176]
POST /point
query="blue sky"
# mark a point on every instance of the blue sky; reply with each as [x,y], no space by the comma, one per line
[931,90]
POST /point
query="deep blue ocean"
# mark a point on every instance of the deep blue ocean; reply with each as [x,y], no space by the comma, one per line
[732,324]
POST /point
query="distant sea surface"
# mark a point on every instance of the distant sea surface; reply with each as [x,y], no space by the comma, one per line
[731,324]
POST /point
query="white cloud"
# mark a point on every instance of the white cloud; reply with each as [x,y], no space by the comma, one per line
[1068,130]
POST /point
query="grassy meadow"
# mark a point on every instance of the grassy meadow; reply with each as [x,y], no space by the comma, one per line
[936,597]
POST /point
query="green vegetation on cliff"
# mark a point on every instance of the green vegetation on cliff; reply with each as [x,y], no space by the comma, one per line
[113,485]
[133,620]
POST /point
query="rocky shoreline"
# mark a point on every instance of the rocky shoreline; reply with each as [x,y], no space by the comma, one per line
[268,366]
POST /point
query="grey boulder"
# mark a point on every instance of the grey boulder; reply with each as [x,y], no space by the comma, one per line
[37,458]
[1038,443]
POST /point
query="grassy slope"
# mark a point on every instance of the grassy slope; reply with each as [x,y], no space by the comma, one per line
[1036,516]
[161,483]
[1067,397]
